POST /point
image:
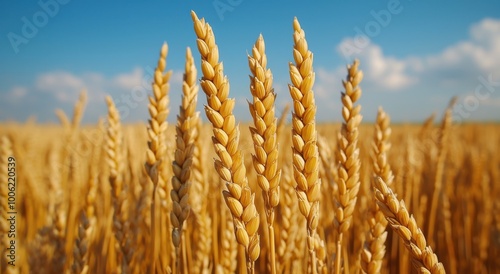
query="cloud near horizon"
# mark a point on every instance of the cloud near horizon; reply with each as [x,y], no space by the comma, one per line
[62,88]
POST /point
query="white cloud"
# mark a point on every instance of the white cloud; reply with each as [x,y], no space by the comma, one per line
[481,50]
[63,85]
[129,80]
[177,78]
[454,65]
[14,94]
[430,80]
[386,73]
[17,93]
[328,83]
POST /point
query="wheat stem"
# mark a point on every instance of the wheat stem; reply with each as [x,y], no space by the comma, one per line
[438,179]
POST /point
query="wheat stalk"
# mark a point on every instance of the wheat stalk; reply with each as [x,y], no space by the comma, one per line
[63,118]
[265,159]
[115,160]
[78,110]
[373,251]
[287,225]
[230,165]
[199,205]
[155,156]
[348,171]
[187,134]
[423,258]
[86,227]
[304,137]
[438,179]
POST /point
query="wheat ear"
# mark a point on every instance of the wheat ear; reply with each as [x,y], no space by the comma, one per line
[230,165]
[348,183]
[304,137]
[115,160]
[63,118]
[79,109]
[287,225]
[157,126]
[200,207]
[438,178]
[187,131]
[373,251]
[86,227]
[265,159]
[423,258]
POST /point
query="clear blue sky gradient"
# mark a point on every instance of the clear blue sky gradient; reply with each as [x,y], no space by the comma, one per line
[427,52]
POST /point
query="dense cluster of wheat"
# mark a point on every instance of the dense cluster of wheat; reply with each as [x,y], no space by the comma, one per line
[273,198]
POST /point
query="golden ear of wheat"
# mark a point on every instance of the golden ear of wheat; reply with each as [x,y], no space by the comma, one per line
[155,164]
[348,155]
[304,136]
[373,251]
[423,258]
[115,161]
[441,157]
[265,159]
[230,165]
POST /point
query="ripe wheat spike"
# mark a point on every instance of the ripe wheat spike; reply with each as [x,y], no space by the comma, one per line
[304,137]
[423,258]
[230,166]
[265,159]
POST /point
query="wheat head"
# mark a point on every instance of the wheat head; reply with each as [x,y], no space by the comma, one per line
[423,258]
[230,165]
[304,136]
[265,159]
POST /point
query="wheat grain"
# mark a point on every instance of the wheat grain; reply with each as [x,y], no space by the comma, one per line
[187,131]
[230,165]
[348,172]
[304,136]
[115,160]
[374,247]
[265,159]
[155,155]
[423,258]
[200,204]
[286,231]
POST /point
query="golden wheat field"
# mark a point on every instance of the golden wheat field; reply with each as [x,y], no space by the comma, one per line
[282,194]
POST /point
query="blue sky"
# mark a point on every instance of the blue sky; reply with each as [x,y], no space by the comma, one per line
[415,54]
